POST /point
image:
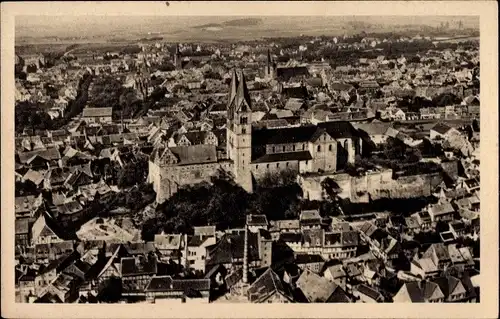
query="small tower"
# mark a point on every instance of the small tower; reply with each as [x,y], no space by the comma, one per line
[239,130]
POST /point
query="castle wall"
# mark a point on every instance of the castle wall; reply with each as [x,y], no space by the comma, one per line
[376,185]
[168,179]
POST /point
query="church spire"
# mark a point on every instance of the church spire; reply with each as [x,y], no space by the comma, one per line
[242,96]
[232,95]
[268,61]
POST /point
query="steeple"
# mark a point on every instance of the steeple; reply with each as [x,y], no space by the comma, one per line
[242,96]
[232,94]
[177,57]
[268,61]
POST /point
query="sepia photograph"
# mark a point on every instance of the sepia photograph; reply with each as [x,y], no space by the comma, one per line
[236,159]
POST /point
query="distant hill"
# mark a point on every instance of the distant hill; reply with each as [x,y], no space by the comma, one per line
[245,22]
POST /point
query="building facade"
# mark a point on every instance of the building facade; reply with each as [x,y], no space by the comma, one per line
[253,153]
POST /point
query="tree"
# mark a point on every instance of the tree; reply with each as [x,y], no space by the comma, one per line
[133,173]
[166,66]
[26,188]
[475,125]
[331,188]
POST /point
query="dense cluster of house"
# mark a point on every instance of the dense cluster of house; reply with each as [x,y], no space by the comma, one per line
[312,119]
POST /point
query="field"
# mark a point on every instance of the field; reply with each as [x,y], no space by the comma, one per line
[91,29]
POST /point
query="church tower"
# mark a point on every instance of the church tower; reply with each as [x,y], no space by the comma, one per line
[239,130]
[270,66]
[177,58]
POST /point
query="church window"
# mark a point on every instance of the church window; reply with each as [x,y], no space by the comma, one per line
[274,149]
[256,166]
[330,147]
[286,164]
[244,131]
[283,148]
[243,120]
[319,148]
[294,148]
[303,147]
[267,166]
[277,164]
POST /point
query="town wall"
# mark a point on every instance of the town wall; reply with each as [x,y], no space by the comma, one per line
[377,185]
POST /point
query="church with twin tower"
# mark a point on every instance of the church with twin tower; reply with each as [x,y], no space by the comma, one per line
[253,153]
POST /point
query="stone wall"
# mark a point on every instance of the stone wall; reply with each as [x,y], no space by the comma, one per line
[374,186]
[168,179]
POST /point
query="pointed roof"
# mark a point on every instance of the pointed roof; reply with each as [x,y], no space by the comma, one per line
[41,228]
[242,96]
[234,88]
[265,286]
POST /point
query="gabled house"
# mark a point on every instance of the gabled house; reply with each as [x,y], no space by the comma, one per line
[168,245]
[194,251]
[49,273]
[441,212]
[43,231]
[452,288]
[336,274]
[438,253]
[136,273]
[269,288]
[419,291]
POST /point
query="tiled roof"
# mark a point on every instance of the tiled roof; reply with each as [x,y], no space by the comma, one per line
[230,247]
[373,128]
[441,128]
[97,112]
[370,292]
[314,287]
[132,266]
[166,283]
[47,154]
[256,220]
[265,286]
[195,154]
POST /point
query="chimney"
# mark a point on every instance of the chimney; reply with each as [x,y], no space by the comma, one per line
[245,256]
